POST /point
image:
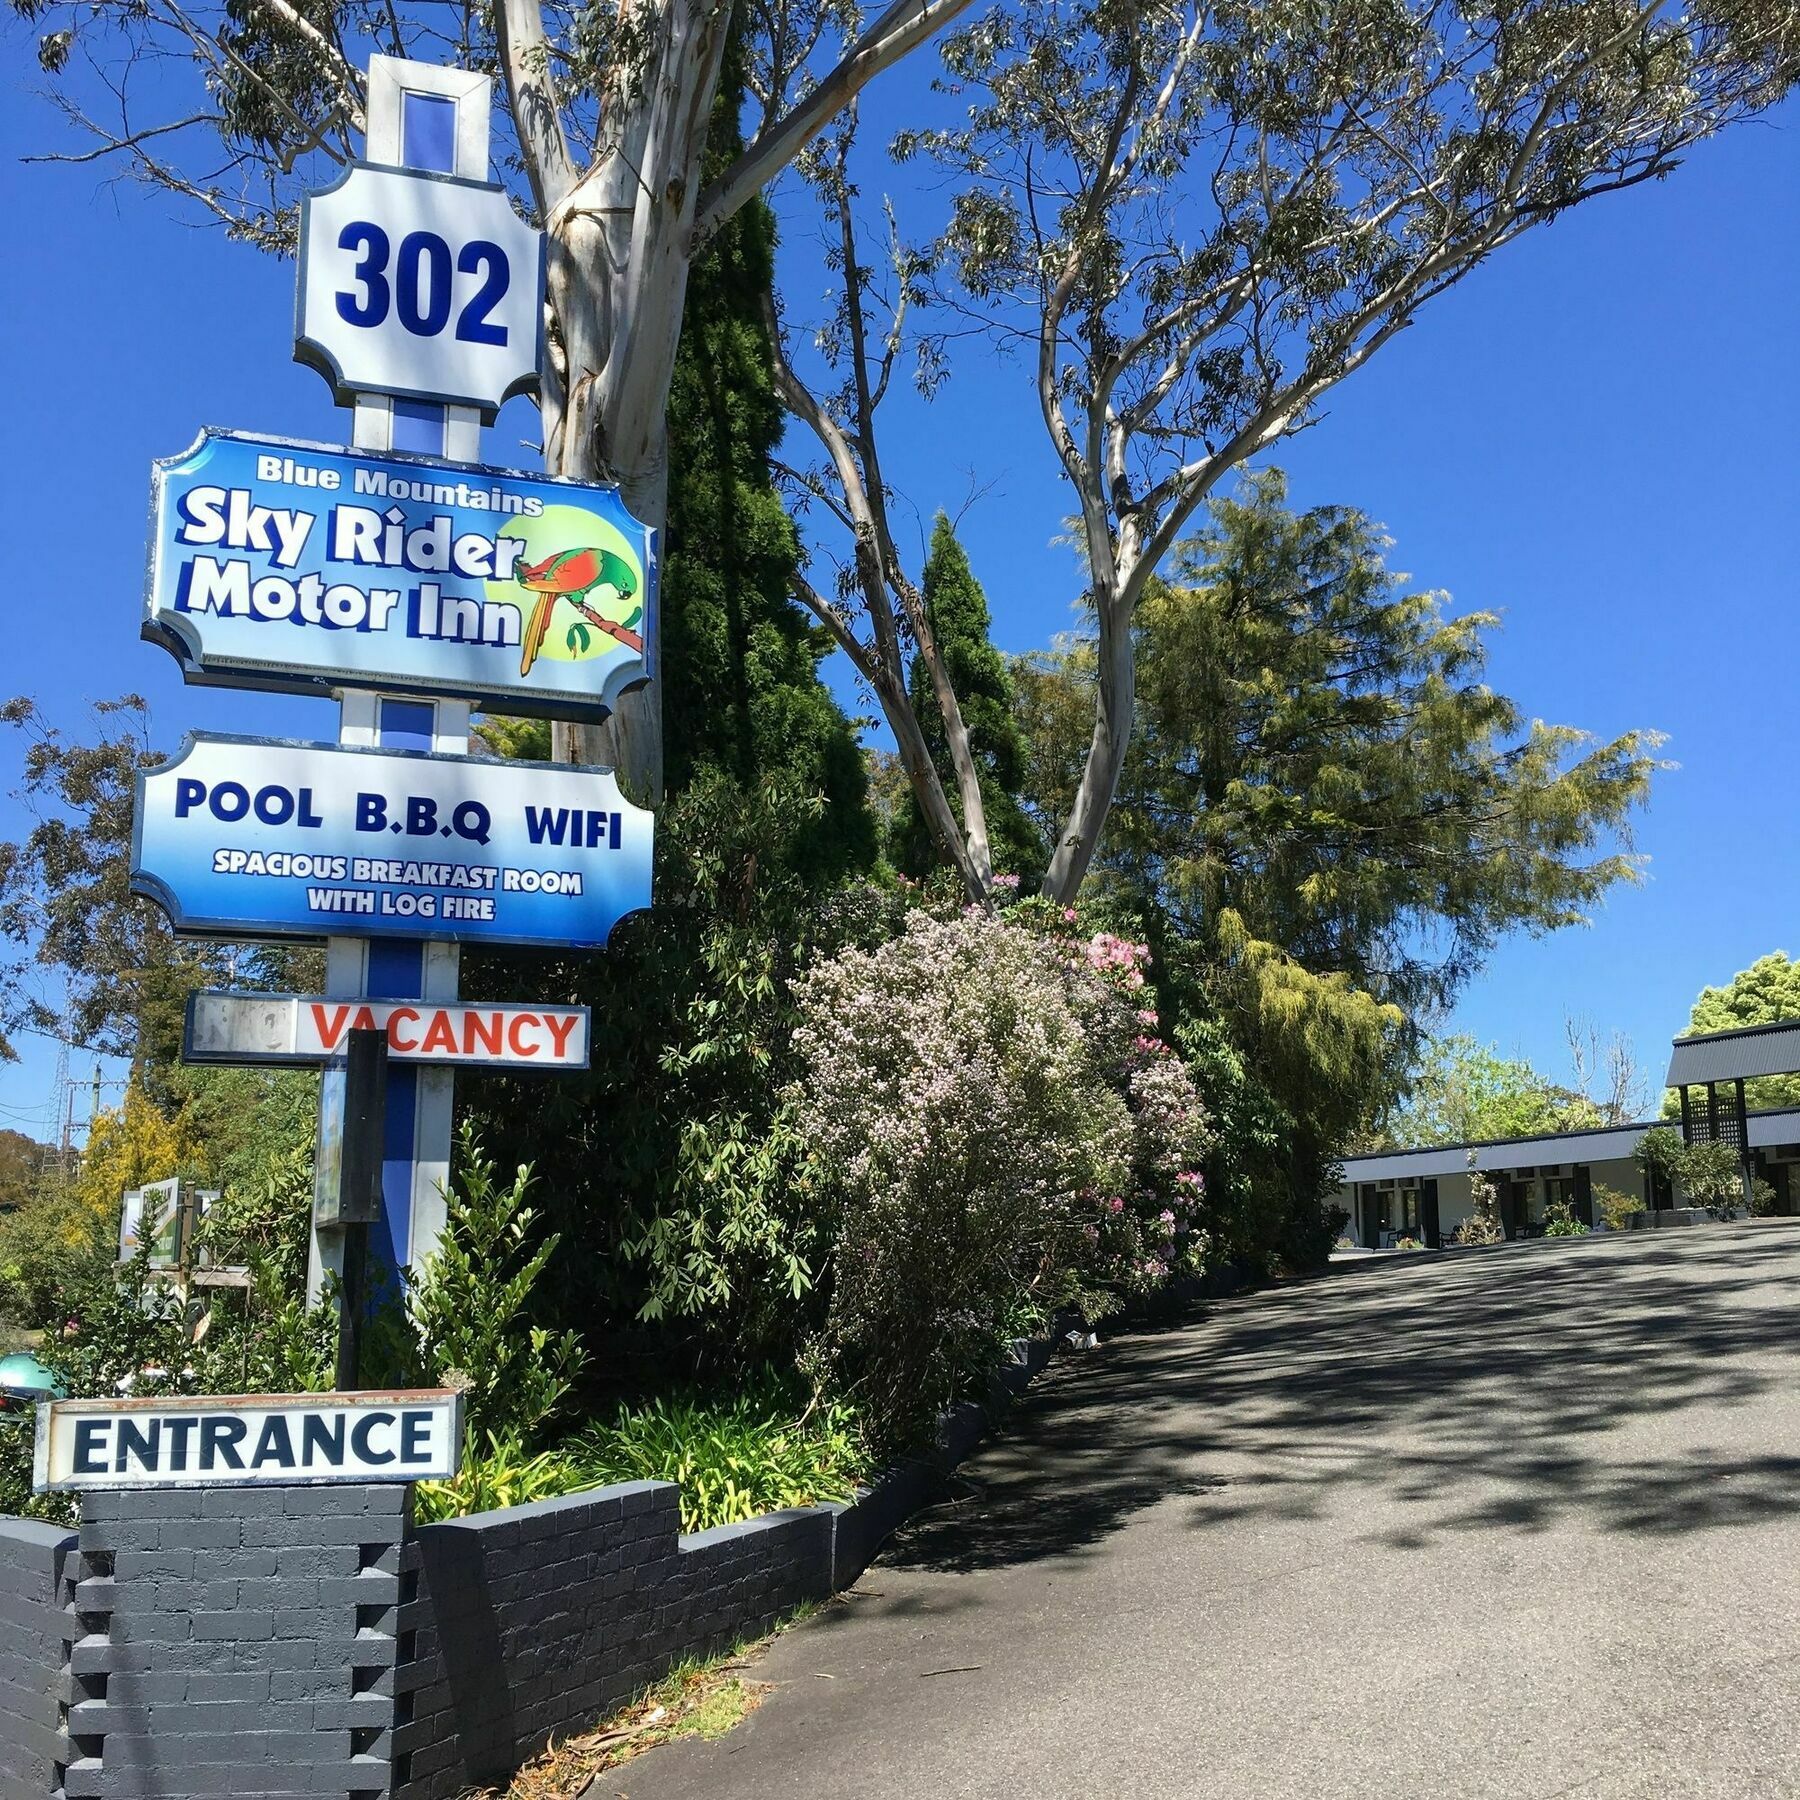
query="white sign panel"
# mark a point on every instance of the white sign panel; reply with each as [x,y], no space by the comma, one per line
[284,1028]
[248,1439]
[419,285]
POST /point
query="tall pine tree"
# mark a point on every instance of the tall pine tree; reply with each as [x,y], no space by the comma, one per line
[663,1167]
[958,611]
[740,685]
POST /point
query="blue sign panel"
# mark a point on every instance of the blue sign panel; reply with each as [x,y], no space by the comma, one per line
[304,568]
[257,837]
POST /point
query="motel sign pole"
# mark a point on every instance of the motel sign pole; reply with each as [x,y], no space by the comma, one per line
[422,117]
[409,582]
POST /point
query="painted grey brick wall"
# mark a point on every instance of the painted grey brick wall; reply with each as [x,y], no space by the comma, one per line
[37,1562]
[520,1624]
[268,1643]
[234,1641]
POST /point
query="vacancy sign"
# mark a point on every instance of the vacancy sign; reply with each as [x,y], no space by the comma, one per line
[287,1028]
[420,285]
[247,1440]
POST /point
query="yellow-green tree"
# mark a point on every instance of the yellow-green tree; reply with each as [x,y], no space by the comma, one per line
[1766,993]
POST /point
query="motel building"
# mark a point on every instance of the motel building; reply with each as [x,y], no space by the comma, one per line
[1423,1194]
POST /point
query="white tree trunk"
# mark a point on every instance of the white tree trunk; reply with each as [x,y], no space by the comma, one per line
[1114,706]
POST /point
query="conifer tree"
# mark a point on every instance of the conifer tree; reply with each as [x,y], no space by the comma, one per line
[958,610]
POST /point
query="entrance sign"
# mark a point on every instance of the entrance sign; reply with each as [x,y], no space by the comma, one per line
[420,285]
[309,569]
[292,1028]
[258,837]
[247,1440]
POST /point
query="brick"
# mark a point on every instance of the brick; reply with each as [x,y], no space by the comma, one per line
[232,1627]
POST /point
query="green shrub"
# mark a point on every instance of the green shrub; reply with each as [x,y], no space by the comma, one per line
[1615,1208]
[497,1474]
[1482,1226]
[733,1459]
[470,1304]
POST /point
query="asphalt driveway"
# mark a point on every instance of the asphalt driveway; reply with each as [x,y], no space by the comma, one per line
[1521,1523]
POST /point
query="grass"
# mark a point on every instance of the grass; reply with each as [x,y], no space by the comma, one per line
[701,1698]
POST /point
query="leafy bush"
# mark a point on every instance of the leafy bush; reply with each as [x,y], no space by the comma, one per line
[1616,1209]
[675,1163]
[1711,1176]
[470,1300]
[1482,1226]
[497,1474]
[46,1249]
[733,1459]
[1005,1135]
[1708,1174]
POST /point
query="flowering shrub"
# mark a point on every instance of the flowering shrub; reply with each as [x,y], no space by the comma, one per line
[1005,1134]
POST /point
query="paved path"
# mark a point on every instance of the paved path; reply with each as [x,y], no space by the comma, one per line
[1525,1523]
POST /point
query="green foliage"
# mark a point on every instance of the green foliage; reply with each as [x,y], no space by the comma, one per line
[1707,1174]
[1766,993]
[1560,1221]
[1616,1208]
[1711,1175]
[1462,1091]
[47,1247]
[756,1452]
[496,1472]
[1330,818]
[65,897]
[1659,1154]
[670,1170]
[469,1306]
[23,1162]
[958,612]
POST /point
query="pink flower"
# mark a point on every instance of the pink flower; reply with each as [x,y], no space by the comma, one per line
[1115,1204]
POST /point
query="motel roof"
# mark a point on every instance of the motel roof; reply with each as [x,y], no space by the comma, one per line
[1601,1143]
[1739,1055]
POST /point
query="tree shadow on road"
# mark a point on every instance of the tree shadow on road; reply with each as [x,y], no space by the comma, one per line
[1500,1389]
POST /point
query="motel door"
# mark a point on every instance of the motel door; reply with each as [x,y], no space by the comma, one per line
[1428,1216]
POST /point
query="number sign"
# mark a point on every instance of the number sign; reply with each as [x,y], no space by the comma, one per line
[419,285]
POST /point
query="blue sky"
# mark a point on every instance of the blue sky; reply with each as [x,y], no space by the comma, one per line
[1592,436]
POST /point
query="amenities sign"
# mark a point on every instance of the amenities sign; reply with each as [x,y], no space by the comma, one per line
[256,837]
[303,568]
[291,1028]
[245,1440]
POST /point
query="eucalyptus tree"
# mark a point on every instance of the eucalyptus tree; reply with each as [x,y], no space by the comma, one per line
[1320,763]
[1194,220]
[239,106]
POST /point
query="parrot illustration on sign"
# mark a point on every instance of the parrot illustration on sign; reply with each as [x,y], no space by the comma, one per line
[572,575]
